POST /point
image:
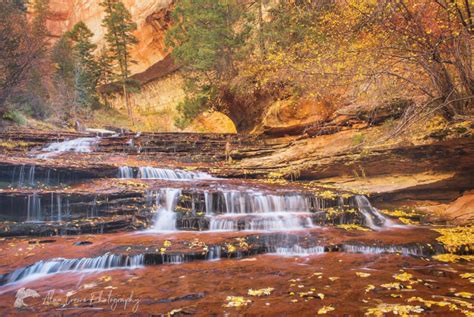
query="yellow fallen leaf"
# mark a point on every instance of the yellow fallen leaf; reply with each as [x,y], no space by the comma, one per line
[404,277]
[362,274]
[392,286]
[325,310]
[236,301]
[106,278]
[464,294]
[260,292]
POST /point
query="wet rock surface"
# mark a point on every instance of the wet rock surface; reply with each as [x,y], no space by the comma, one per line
[161,216]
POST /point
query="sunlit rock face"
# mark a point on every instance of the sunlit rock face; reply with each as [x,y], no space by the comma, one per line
[152,18]
[155,103]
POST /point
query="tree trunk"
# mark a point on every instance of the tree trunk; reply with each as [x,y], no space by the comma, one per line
[261,40]
[127,102]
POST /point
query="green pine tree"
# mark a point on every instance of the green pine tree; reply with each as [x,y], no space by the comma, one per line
[86,70]
[77,71]
[105,63]
[206,38]
[120,38]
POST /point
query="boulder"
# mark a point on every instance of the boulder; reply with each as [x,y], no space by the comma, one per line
[290,117]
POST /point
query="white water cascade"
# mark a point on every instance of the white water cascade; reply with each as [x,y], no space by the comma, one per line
[41,269]
[166,200]
[24,178]
[252,210]
[33,213]
[297,251]
[79,145]
[147,172]
[373,218]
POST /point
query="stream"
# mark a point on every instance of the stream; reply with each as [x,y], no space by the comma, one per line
[89,219]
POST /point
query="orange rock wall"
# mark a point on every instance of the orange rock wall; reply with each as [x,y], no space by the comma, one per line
[151,16]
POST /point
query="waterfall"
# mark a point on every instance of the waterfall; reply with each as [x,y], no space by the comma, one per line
[364,249]
[261,221]
[34,208]
[79,145]
[60,216]
[125,172]
[30,179]
[297,250]
[214,253]
[373,218]
[253,210]
[60,265]
[166,200]
[208,203]
[259,202]
[147,172]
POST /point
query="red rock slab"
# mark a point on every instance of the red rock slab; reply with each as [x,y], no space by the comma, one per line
[201,288]
[19,252]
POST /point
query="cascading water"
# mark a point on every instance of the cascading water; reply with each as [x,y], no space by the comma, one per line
[125,172]
[34,208]
[41,269]
[148,172]
[297,250]
[59,214]
[79,145]
[208,201]
[165,200]
[364,249]
[373,218]
[253,210]
[23,177]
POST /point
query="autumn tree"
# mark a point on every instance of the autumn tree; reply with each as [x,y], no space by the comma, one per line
[119,36]
[371,52]
[22,45]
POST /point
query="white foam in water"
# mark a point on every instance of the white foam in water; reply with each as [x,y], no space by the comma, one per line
[42,269]
[259,202]
[370,214]
[166,216]
[364,249]
[80,145]
[148,172]
[266,221]
[297,250]
[125,172]
[258,211]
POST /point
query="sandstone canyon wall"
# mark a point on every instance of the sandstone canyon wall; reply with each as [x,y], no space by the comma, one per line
[152,18]
[161,89]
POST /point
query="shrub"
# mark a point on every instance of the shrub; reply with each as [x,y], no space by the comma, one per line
[15,116]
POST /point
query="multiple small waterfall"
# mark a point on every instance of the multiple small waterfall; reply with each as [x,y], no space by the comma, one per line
[24,177]
[259,211]
[297,250]
[60,265]
[79,145]
[35,210]
[56,207]
[148,172]
[232,210]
